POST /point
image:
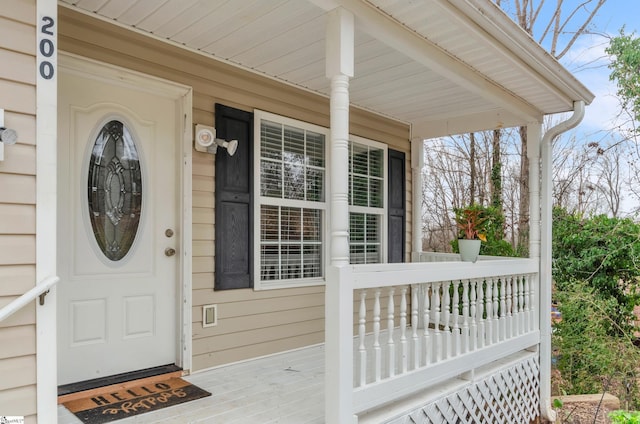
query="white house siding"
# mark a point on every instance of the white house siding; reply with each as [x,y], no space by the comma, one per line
[251,323]
[17,207]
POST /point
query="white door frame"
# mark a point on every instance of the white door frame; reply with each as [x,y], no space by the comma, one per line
[183,96]
[46,183]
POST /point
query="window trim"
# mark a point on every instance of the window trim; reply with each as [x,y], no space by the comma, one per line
[260,200]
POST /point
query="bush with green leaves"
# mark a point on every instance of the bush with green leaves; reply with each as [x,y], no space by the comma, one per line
[602,251]
[596,267]
[624,417]
[590,358]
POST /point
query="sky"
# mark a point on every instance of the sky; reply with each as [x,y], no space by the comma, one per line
[588,62]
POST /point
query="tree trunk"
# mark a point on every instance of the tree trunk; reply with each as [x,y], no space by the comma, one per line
[472,168]
[496,171]
[523,221]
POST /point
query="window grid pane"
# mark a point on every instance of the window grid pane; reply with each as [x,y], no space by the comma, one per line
[376,163]
[366,179]
[291,243]
[292,163]
[315,149]
[365,242]
[271,179]
[271,140]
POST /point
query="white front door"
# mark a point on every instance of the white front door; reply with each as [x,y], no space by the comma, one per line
[118,228]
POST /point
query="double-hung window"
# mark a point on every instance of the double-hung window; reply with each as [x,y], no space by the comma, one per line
[367,201]
[292,176]
[292,180]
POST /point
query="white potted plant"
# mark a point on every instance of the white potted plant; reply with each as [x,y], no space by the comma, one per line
[470,223]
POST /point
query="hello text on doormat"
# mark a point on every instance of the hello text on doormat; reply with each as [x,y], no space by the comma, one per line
[135,400]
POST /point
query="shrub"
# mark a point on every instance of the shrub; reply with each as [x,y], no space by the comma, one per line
[625,417]
[596,273]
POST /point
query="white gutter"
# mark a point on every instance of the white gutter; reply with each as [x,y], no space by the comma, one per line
[545,257]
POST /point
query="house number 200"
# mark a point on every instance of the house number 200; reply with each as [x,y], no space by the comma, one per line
[47,47]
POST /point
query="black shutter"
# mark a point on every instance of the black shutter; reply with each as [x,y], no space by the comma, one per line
[234,201]
[397,206]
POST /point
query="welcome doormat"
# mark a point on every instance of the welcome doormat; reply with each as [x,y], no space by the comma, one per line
[112,406]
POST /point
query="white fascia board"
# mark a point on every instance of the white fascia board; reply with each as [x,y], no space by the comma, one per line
[496,22]
[402,39]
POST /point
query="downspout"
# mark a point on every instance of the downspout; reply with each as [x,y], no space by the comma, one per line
[545,257]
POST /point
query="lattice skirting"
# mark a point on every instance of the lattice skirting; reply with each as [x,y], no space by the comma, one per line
[510,396]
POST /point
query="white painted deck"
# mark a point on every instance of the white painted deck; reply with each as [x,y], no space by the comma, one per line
[283,388]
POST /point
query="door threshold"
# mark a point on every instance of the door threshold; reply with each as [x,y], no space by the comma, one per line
[72,391]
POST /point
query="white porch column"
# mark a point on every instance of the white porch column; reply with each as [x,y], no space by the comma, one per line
[339,293]
[417,162]
[534,136]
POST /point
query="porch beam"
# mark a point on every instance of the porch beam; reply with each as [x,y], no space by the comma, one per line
[338,290]
[443,126]
[430,55]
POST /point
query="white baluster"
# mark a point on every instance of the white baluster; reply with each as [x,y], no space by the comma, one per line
[377,354]
[473,314]
[521,304]
[465,316]
[509,307]
[414,326]
[494,321]
[362,321]
[516,308]
[391,347]
[446,316]
[426,313]
[489,313]
[455,310]
[480,314]
[528,302]
[435,306]
[503,312]
[403,329]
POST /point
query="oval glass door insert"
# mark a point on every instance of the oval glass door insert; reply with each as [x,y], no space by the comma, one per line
[115,190]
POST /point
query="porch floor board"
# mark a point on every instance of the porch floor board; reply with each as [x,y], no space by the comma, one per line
[283,388]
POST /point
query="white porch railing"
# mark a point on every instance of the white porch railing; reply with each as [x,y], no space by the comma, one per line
[454,257]
[422,323]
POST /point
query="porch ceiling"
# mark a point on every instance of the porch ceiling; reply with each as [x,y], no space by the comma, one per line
[444,66]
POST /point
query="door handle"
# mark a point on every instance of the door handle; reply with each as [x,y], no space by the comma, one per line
[169,251]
